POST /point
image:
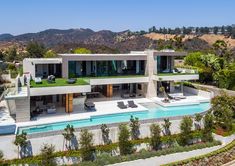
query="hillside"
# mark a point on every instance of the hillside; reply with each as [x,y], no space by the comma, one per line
[105,41]
[209,38]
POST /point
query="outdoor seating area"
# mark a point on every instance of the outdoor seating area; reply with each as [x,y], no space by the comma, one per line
[41,108]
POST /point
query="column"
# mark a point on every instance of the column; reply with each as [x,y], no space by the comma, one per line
[137,66]
[69,103]
[109,90]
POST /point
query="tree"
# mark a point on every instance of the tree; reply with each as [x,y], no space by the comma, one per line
[124,143]
[155,138]
[186,128]
[221,49]
[11,54]
[194,59]
[198,119]
[35,50]
[68,135]
[135,128]
[166,125]
[47,155]
[50,54]
[223,107]
[215,30]
[222,30]
[105,134]
[178,40]
[208,127]
[21,142]
[86,145]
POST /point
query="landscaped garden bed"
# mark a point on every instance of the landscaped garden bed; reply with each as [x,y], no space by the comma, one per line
[218,157]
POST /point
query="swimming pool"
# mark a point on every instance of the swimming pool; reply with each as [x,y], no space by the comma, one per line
[152,113]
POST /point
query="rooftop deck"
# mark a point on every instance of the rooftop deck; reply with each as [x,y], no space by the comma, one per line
[58,82]
[80,81]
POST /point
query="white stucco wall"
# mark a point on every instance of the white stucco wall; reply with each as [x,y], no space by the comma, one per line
[59,90]
[177,77]
[105,81]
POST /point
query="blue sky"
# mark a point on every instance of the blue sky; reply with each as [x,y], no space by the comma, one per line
[21,16]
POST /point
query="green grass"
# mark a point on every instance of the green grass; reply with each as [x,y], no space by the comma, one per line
[58,82]
[119,76]
[80,81]
[172,74]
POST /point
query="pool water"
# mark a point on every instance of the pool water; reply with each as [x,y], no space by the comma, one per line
[152,113]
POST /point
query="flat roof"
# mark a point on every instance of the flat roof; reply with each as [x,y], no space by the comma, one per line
[96,57]
[132,54]
[169,53]
[44,60]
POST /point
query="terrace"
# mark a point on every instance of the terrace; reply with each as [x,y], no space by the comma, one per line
[80,81]
[58,82]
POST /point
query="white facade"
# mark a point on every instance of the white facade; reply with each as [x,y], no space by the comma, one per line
[41,67]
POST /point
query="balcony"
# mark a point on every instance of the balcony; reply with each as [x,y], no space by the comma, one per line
[177,75]
[58,82]
[119,79]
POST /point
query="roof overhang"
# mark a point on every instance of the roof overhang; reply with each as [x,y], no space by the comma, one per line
[102,57]
[173,53]
[44,60]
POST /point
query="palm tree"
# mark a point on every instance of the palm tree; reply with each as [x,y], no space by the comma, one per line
[166,127]
[68,135]
[21,141]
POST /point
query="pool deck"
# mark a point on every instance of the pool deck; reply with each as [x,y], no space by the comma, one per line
[110,107]
[189,100]
[102,108]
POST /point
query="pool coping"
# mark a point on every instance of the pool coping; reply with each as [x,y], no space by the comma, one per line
[95,127]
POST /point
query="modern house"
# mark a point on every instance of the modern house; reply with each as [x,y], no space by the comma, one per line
[67,81]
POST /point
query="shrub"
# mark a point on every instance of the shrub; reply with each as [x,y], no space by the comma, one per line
[155,140]
[186,128]
[223,110]
[125,145]
[135,128]
[86,143]
[208,127]
[47,157]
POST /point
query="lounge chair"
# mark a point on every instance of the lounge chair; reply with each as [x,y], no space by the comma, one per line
[121,105]
[170,97]
[71,80]
[132,104]
[51,79]
[89,106]
[166,100]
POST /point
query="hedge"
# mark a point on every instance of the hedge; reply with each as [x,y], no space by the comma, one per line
[106,159]
[114,146]
[211,154]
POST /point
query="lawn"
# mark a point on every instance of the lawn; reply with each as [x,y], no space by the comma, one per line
[118,76]
[58,82]
[80,81]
